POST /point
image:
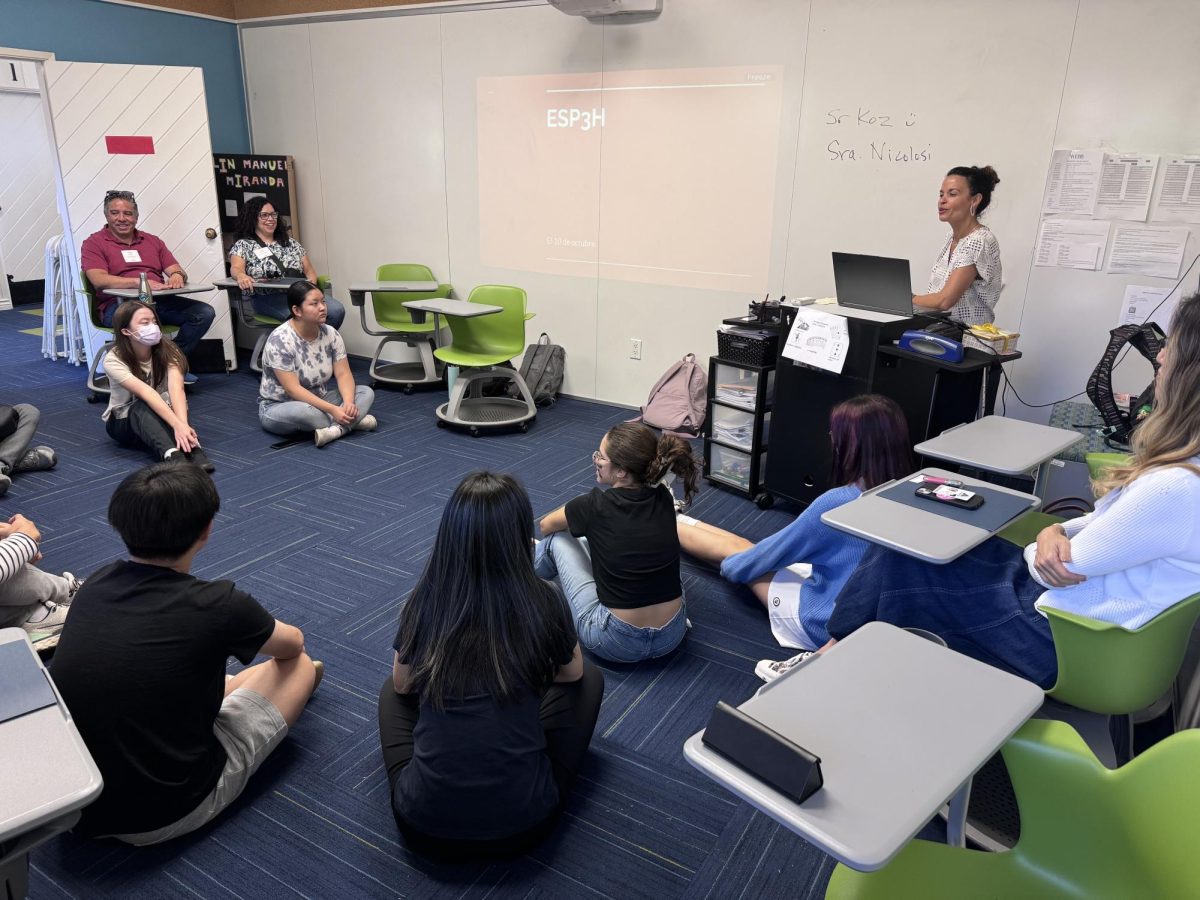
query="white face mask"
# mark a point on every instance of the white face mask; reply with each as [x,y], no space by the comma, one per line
[149,334]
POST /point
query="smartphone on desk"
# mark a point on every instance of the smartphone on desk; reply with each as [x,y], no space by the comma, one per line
[951,496]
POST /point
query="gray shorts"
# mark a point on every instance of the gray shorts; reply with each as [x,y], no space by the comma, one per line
[249,727]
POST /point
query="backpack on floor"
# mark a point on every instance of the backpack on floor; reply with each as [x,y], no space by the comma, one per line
[1148,339]
[542,371]
[677,401]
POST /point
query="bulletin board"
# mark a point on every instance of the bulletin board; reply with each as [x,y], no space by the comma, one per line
[241,177]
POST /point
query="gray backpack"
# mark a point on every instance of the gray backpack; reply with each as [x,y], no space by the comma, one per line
[542,371]
[676,403]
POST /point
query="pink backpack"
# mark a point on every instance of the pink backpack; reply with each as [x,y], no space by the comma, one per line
[677,401]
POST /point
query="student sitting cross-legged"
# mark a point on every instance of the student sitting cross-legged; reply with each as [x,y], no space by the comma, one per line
[490,706]
[141,665]
[307,385]
[797,572]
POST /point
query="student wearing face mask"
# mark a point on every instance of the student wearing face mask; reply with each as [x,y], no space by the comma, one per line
[147,406]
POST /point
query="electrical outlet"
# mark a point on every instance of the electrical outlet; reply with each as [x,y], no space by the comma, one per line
[635,348]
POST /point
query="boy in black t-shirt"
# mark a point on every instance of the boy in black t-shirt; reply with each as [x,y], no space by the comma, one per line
[141,665]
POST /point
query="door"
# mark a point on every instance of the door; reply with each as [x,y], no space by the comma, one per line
[142,129]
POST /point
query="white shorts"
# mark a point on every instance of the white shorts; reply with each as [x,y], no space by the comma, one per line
[249,727]
[783,607]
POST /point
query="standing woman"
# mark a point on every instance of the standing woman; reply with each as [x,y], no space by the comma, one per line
[147,406]
[798,572]
[966,277]
[265,249]
[616,551]
[490,707]
[306,383]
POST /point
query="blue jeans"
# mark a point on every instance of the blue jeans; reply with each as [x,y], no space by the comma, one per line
[981,605]
[598,629]
[290,416]
[274,304]
[192,316]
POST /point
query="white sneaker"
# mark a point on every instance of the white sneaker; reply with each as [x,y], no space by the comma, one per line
[73,586]
[770,669]
[328,434]
[366,423]
[45,624]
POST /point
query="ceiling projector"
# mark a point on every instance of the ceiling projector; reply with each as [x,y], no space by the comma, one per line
[609,9]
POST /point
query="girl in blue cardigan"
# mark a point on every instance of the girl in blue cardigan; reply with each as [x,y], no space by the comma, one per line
[797,573]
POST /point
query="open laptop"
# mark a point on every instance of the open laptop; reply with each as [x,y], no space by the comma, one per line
[875,283]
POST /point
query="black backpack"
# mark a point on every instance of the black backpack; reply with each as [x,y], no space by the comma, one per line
[542,371]
[1148,339]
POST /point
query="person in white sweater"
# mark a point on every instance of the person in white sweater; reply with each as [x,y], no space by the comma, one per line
[1137,555]
[30,598]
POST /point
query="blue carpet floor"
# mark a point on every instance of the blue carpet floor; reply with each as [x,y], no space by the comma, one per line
[330,540]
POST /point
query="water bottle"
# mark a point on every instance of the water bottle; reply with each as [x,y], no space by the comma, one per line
[144,294]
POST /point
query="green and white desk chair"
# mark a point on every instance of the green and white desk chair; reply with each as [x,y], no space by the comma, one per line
[264,325]
[397,324]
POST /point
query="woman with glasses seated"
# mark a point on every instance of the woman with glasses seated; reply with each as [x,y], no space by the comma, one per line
[616,552]
[265,249]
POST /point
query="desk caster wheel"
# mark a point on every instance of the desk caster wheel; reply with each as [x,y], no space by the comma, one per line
[764,501]
[474,432]
[441,424]
[93,397]
[408,389]
[373,384]
[523,427]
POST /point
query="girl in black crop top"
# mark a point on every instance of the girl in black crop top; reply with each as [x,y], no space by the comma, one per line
[616,551]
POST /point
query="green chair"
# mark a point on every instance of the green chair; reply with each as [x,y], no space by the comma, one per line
[397,324]
[1086,831]
[97,385]
[1024,529]
[479,343]
[264,325]
[1098,462]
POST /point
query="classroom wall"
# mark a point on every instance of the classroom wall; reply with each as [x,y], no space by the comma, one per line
[28,211]
[93,31]
[382,114]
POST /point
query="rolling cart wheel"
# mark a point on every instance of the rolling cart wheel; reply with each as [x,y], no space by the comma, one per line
[475,432]
[408,389]
[764,501]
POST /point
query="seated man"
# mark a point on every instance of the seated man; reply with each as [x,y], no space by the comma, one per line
[30,598]
[117,254]
[141,666]
[16,434]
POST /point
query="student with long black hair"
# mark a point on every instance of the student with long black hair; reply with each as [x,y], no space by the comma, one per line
[488,712]
[623,581]
[147,406]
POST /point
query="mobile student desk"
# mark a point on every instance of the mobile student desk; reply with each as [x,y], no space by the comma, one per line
[46,772]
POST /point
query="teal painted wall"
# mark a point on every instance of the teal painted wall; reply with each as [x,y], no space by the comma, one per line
[91,31]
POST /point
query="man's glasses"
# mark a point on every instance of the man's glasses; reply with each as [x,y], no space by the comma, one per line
[268,217]
[118,195]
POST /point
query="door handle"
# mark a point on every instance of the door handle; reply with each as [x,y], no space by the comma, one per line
[210,233]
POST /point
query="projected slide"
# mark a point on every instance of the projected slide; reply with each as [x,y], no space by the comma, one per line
[664,177]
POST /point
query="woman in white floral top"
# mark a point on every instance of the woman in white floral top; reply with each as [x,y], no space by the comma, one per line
[264,249]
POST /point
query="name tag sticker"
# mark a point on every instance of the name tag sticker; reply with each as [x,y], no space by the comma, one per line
[262,253]
[131,256]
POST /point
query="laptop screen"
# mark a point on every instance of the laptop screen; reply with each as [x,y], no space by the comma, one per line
[877,283]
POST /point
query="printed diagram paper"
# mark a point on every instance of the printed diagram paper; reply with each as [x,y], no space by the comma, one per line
[1179,194]
[1125,186]
[1140,302]
[1074,182]
[1071,243]
[818,339]
[1147,251]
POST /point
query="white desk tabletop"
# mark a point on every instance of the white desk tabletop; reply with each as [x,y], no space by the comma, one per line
[916,532]
[132,293]
[229,283]
[463,309]
[899,724]
[47,741]
[366,287]
[999,444]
